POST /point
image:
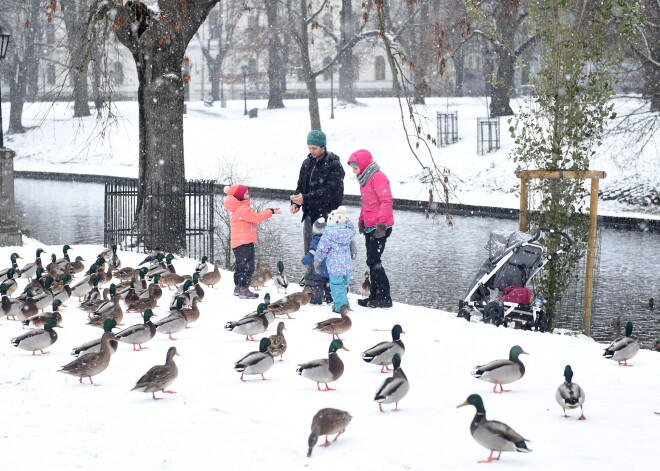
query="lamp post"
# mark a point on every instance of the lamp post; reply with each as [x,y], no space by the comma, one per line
[244,69]
[4,42]
[332,92]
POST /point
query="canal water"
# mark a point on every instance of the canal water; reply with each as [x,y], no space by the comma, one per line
[428,263]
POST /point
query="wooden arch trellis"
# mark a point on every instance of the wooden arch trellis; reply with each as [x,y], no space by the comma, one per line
[595,176]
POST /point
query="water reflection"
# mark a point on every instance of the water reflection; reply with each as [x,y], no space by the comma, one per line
[428,263]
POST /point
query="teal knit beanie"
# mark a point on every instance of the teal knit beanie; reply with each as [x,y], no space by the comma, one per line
[316,138]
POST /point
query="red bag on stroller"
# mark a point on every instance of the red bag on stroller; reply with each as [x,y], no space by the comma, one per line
[516,294]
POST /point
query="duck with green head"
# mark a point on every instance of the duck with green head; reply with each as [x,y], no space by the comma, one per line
[491,434]
[623,348]
[256,363]
[202,267]
[281,281]
[37,339]
[569,395]
[11,307]
[249,326]
[324,370]
[501,372]
[94,346]
[139,333]
[159,377]
[14,266]
[30,269]
[39,320]
[175,322]
[10,282]
[382,353]
[394,388]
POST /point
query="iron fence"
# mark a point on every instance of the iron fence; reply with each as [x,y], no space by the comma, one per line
[447,128]
[488,135]
[195,239]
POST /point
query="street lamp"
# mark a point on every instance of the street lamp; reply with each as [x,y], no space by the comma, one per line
[4,42]
[244,69]
[332,92]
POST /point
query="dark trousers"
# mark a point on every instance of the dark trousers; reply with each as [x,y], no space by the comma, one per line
[244,255]
[320,289]
[307,240]
[380,284]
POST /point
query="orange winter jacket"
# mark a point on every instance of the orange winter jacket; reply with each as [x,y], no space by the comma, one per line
[243,222]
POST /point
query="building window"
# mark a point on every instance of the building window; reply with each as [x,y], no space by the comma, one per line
[117,73]
[50,74]
[252,66]
[380,68]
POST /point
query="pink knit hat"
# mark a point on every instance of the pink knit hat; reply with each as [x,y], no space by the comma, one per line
[237,191]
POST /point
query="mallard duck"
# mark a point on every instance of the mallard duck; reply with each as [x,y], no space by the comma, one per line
[151,257]
[336,325]
[382,353]
[393,388]
[491,434]
[28,309]
[192,312]
[65,260]
[37,339]
[324,370]
[63,290]
[159,377]
[105,275]
[139,333]
[14,266]
[249,326]
[149,302]
[88,284]
[45,298]
[30,269]
[94,346]
[277,345]
[262,309]
[93,300]
[11,307]
[35,286]
[570,395]
[650,303]
[186,292]
[54,269]
[326,422]
[202,267]
[198,288]
[281,281]
[256,363]
[39,320]
[114,261]
[77,266]
[175,322]
[93,363]
[212,278]
[125,274]
[302,297]
[285,306]
[172,279]
[130,296]
[262,275]
[10,282]
[162,266]
[502,371]
[110,310]
[365,289]
[623,348]
[153,289]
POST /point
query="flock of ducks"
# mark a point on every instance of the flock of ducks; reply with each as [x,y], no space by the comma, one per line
[139,290]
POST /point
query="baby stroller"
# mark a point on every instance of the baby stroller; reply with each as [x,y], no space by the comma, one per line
[498,292]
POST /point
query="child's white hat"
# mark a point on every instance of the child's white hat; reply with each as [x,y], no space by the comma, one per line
[338,216]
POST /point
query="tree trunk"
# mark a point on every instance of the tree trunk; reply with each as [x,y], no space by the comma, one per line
[502,86]
[459,68]
[346,92]
[79,49]
[158,48]
[308,76]
[274,57]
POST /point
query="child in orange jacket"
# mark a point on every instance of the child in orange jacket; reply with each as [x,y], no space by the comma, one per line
[243,235]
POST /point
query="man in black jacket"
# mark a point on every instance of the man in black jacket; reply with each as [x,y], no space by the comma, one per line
[320,187]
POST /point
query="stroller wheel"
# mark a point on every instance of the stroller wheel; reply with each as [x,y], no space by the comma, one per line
[465,313]
[494,313]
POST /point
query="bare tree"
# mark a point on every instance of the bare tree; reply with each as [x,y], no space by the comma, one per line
[276,74]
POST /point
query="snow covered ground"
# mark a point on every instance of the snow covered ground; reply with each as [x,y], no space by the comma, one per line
[50,421]
[267,151]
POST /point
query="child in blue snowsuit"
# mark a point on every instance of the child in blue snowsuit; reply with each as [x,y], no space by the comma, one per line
[338,249]
[320,280]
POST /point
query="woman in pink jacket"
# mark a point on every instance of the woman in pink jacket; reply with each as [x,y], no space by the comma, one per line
[243,234]
[375,222]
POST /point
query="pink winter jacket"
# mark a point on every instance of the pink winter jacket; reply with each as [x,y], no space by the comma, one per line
[376,193]
[244,220]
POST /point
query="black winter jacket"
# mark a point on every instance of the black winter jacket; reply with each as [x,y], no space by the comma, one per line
[322,185]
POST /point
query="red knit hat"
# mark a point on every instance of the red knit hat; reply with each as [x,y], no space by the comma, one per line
[237,191]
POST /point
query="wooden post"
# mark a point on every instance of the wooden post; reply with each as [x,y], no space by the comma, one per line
[522,216]
[591,256]
[525,176]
